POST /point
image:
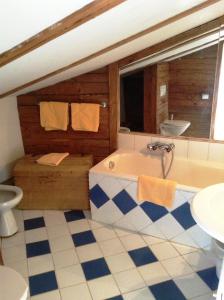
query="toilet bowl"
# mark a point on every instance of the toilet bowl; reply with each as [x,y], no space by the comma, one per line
[10,196]
[12,285]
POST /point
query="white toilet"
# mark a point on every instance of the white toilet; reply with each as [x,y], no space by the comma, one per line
[10,196]
[12,285]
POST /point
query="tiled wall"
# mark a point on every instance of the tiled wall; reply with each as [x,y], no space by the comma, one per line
[113,201]
[196,150]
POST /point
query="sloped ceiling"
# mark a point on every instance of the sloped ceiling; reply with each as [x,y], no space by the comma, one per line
[115,25]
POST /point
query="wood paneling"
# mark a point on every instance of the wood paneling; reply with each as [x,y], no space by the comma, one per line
[189,78]
[89,88]
[114,94]
[150,86]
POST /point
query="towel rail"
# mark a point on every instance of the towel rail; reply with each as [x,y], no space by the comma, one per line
[103,104]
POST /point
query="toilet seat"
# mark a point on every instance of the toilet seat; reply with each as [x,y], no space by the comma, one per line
[12,285]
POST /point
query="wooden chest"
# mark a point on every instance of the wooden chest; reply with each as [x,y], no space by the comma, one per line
[46,187]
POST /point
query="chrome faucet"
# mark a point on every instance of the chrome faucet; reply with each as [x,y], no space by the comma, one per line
[160,146]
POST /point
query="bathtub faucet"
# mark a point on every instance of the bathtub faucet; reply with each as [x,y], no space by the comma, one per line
[160,146]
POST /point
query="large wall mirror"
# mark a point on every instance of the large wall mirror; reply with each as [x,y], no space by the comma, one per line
[178,91]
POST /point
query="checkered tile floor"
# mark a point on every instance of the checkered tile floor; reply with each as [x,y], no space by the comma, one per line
[66,255]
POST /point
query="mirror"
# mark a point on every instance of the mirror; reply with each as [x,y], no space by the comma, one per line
[172,92]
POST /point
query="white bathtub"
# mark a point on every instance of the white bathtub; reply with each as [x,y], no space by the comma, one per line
[113,196]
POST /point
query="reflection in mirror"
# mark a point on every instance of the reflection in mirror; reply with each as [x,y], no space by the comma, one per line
[171,93]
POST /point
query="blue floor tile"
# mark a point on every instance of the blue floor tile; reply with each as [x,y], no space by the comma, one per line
[42,283]
[124,202]
[98,196]
[166,291]
[153,211]
[95,268]
[183,215]
[34,223]
[142,256]
[210,278]
[74,215]
[37,248]
[83,238]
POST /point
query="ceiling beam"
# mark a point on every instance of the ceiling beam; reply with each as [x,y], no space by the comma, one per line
[79,17]
[181,37]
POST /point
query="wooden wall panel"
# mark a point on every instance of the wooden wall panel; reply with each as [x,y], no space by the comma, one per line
[150,86]
[189,77]
[88,88]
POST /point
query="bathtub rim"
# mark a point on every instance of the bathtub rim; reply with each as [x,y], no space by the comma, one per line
[133,178]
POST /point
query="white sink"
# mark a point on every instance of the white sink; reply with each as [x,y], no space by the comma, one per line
[174,127]
[208,210]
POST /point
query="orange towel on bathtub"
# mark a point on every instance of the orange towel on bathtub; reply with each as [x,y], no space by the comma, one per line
[156,190]
[52,159]
[54,115]
[85,116]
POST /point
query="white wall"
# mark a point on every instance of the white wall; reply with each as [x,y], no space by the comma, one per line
[11,145]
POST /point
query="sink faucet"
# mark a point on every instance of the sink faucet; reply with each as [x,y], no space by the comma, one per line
[160,146]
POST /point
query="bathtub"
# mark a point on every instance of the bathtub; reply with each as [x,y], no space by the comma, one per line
[113,196]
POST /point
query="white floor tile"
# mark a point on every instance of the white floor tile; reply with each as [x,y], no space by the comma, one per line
[19,219]
[153,273]
[61,243]
[151,240]
[169,226]
[103,288]
[89,252]
[78,226]
[141,294]
[15,240]
[153,230]
[164,251]
[125,224]
[183,249]
[104,233]
[19,266]
[54,217]
[31,214]
[119,262]
[65,258]
[132,241]
[176,266]
[111,247]
[87,214]
[36,235]
[80,291]
[129,280]
[122,232]
[138,218]
[204,297]
[70,276]
[94,224]
[13,254]
[192,286]
[199,261]
[40,264]
[57,230]
[53,295]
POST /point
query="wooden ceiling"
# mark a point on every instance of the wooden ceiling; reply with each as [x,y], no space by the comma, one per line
[16,75]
